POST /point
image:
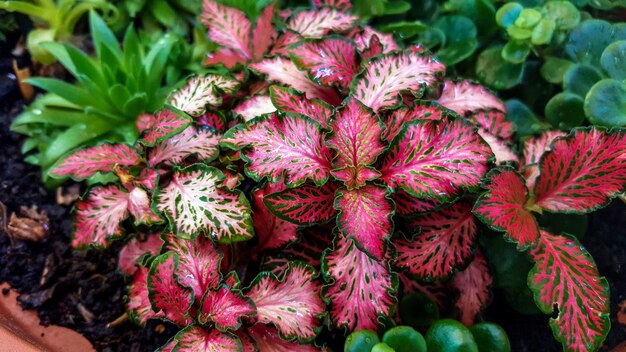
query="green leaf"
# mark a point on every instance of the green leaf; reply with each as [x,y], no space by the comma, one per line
[565,111]
[508,14]
[564,14]
[494,71]
[613,60]
[525,121]
[543,31]
[580,78]
[587,42]
[519,33]
[515,51]
[528,18]
[369,8]
[35,38]
[605,103]
[103,36]
[460,33]
[554,69]
[397,8]
[74,137]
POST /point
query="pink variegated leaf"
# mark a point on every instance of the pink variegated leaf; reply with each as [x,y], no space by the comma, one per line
[365,216]
[145,121]
[225,308]
[502,149]
[290,101]
[317,23]
[292,304]
[227,57]
[255,106]
[137,248]
[267,339]
[289,147]
[361,289]
[201,143]
[445,243]
[272,232]
[212,121]
[535,147]
[228,27]
[138,305]
[583,171]
[503,207]
[196,339]
[98,217]
[168,123]
[374,49]
[566,279]
[436,292]
[139,207]
[87,162]
[247,343]
[148,178]
[196,201]
[282,45]
[436,159]
[284,71]
[303,205]
[465,97]
[385,77]
[263,34]
[331,62]
[198,262]
[167,296]
[356,140]
[201,91]
[408,205]
[344,5]
[473,285]
[168,347]
[495,122]
[399,118]
[364,39]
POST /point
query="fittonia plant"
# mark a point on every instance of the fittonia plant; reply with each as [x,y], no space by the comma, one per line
[394,165]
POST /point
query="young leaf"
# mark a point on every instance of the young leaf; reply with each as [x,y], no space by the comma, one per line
[384,78]
[225,308]
[473,285]
[436,159]
[399,118]
[198,262]
[264,33]
[87,162]
[145,121]
[272,231]
[502,149]
[135,249]
[148,178]
[365,216]
[201,143]
[365,38]
[267,339]
[166,294]
[202,91]
[290,101]
[566,278]
[408,205]
[228,26]
[495,122]
[465,97]
[138,305]
[168,123]
[288,146]
[583,171]
[196,339]
[502,207]
[196,201]
[303,205]
[445,242]
[361,289]
[332,61]
[139,207]
[316,24]
[293,304]
[255,106]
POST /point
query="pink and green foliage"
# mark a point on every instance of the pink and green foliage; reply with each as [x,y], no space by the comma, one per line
[167,123]
[197,339]
[225,308]
[87,162]
[331,62]
[290,101]
[138,249]
[473,285]
[190,142]
[272,231]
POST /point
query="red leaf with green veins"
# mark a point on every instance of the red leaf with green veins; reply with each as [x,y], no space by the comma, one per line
[268,340]
[583,171]
[87,162]
[196,339]
[166,294]
[502,207]
[247,342]
[495,122]
[331,62]
[225,308]
[201,143]
[148,178]
[344,5]
[271,231]
[135,250]
[317,23]
[198,262]
[282,45]
[436,159]
[227,57]
[422,111]
[356,139]
[363,40]
[263,34]
[196,201]
[290,101]
[212,121]
[365,216]
[138,305]
[445,242]
[502,150]
[566,278]
[293,304]
[289,147]
[98,217]
[168,123]
[361,289]
[139,207]
[145,121]
[255,106]
[384,78]
[473,285]
[466,97]
[228,27]
[284,71]
[406,204]
[201,91]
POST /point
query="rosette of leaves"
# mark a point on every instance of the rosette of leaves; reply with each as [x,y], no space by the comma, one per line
[155,16]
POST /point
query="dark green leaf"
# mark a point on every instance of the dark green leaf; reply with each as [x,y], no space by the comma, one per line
[605,103]
[565,111]
[494,71]
[580,78]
